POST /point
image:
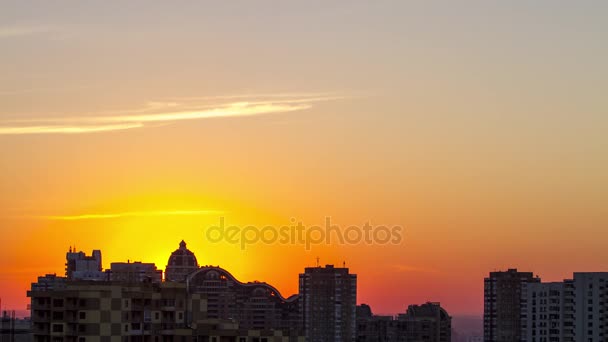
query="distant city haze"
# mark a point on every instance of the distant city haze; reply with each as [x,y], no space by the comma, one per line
[479,127]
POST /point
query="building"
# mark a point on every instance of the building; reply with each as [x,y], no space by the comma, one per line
[14,329]
[573,310]
[135,272]
[546,318]
[49,282]
[505,305]
[79,266]
[255,305]
[102,311]
[132,304]
[590,305]
[428,322]
[328,297]
[91,311]
[181,263]
[375,328]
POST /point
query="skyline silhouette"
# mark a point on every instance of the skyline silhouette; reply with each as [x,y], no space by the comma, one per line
[479,128]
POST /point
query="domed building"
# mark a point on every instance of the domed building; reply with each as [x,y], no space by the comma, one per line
[254,305]
[181,263]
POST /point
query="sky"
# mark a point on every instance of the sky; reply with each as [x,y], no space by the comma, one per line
[477,127]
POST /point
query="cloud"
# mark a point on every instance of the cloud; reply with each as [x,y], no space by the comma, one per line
[99,216]
[65,129]
[18,31]
[166,112]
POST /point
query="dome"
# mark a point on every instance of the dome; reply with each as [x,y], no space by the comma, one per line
[181,263]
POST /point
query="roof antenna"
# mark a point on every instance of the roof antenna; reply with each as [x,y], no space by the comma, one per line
[343,264]
[318,262]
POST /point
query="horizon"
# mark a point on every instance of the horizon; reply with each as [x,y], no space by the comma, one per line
[477,315]
[470,137]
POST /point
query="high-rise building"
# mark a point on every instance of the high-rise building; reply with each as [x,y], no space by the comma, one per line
[591,306]
[550,312]
[573,310]
[328,299]
[505,305]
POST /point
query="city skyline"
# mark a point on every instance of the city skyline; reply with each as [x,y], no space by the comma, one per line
[91,267]
[478,127]
[130,301]
[161,273]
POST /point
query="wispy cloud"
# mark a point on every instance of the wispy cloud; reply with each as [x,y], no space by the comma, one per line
[18,31]
[65,129]
[166,112]
[98,216]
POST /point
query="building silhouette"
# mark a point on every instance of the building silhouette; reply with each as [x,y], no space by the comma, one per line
[519,307]
[82,267]
[328,299]
[426,322]
[505,305]
[13,329]
[181,263]
[135,272]
[255,305]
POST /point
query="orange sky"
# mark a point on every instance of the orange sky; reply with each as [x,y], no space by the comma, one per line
[485,140]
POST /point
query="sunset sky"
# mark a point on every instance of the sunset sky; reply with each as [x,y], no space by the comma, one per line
[480,127]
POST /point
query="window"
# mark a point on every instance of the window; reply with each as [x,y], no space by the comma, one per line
[82,315]
[58,303]
[57,328]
